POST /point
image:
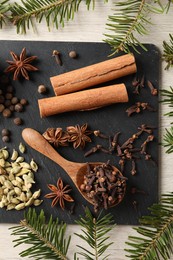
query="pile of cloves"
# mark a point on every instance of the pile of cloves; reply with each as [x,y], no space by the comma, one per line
[104,185]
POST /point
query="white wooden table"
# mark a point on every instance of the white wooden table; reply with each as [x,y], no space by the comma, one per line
[90,26]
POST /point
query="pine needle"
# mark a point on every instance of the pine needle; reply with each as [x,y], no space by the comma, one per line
[130,18]
[95,235]
[155,236]
[168,52]
[55,12]
[4,8]
[46,240]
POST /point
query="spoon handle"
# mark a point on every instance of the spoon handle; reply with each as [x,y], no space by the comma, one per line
[38,142]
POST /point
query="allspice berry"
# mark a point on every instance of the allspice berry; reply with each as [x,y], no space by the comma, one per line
[72,54]
[23,101]
[5,138]
[5,132]
[6,112]
[18,107]
[42,89]
[18,121]
[2,107]
[14,100]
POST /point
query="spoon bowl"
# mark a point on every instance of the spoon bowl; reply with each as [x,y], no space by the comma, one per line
[76,171]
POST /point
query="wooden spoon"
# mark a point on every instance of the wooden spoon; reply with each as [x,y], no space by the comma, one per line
[76,171]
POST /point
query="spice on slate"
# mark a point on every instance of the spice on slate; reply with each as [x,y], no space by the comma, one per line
[99,134]
[139,107]
[17,121]
[56,55]
[56,136]
[59,194]
[42,89]
[150,138]
[5,132]
[103,185]
[72,54]
[96,148]
[6,112]
[20,65]
[79,135]
[18,107]
[23,101]
[153,90]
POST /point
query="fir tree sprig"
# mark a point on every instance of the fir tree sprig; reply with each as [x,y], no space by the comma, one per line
[95,232]
[46,240]
[168,52]
[4,8]
[168,140]
[155,235]
[55,12]
[130,18]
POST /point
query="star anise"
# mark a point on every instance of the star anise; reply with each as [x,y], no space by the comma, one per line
[59,193]
[20,65]
[79,135]
[56,136]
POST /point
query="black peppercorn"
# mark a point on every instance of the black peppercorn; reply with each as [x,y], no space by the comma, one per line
[18,107]
[23,101]
[18,121]
[5,132]
[42,89]
[14,100]
[2,107]
[5,138]
[72,54]
[6,112]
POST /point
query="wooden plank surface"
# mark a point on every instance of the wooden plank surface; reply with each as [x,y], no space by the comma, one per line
[89,26]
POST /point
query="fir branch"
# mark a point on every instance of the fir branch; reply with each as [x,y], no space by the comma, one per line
[130,18]
[155,236]
[47,240]
[168,140]
[168,52]
[54,11]
[94,234]
[4,8]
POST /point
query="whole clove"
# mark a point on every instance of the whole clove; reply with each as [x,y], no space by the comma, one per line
[99,134]
[96,148]
[153,90]
[150,138]
[138,107]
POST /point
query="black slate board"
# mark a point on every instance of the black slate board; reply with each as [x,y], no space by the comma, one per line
[108,120]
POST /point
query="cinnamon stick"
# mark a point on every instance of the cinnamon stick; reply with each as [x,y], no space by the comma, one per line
[94,74]
[83,100]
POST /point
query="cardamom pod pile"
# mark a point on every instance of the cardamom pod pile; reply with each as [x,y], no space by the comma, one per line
[16,180]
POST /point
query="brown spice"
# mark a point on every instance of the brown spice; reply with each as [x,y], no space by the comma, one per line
[23,101]
[79,135]
[59,194]
[14,100]
[5,132]
[5,139]
[56,136]
[6,112]
[72,54]
[2,107]
[42,89]
[20,65]
[18,107]
[17,121]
